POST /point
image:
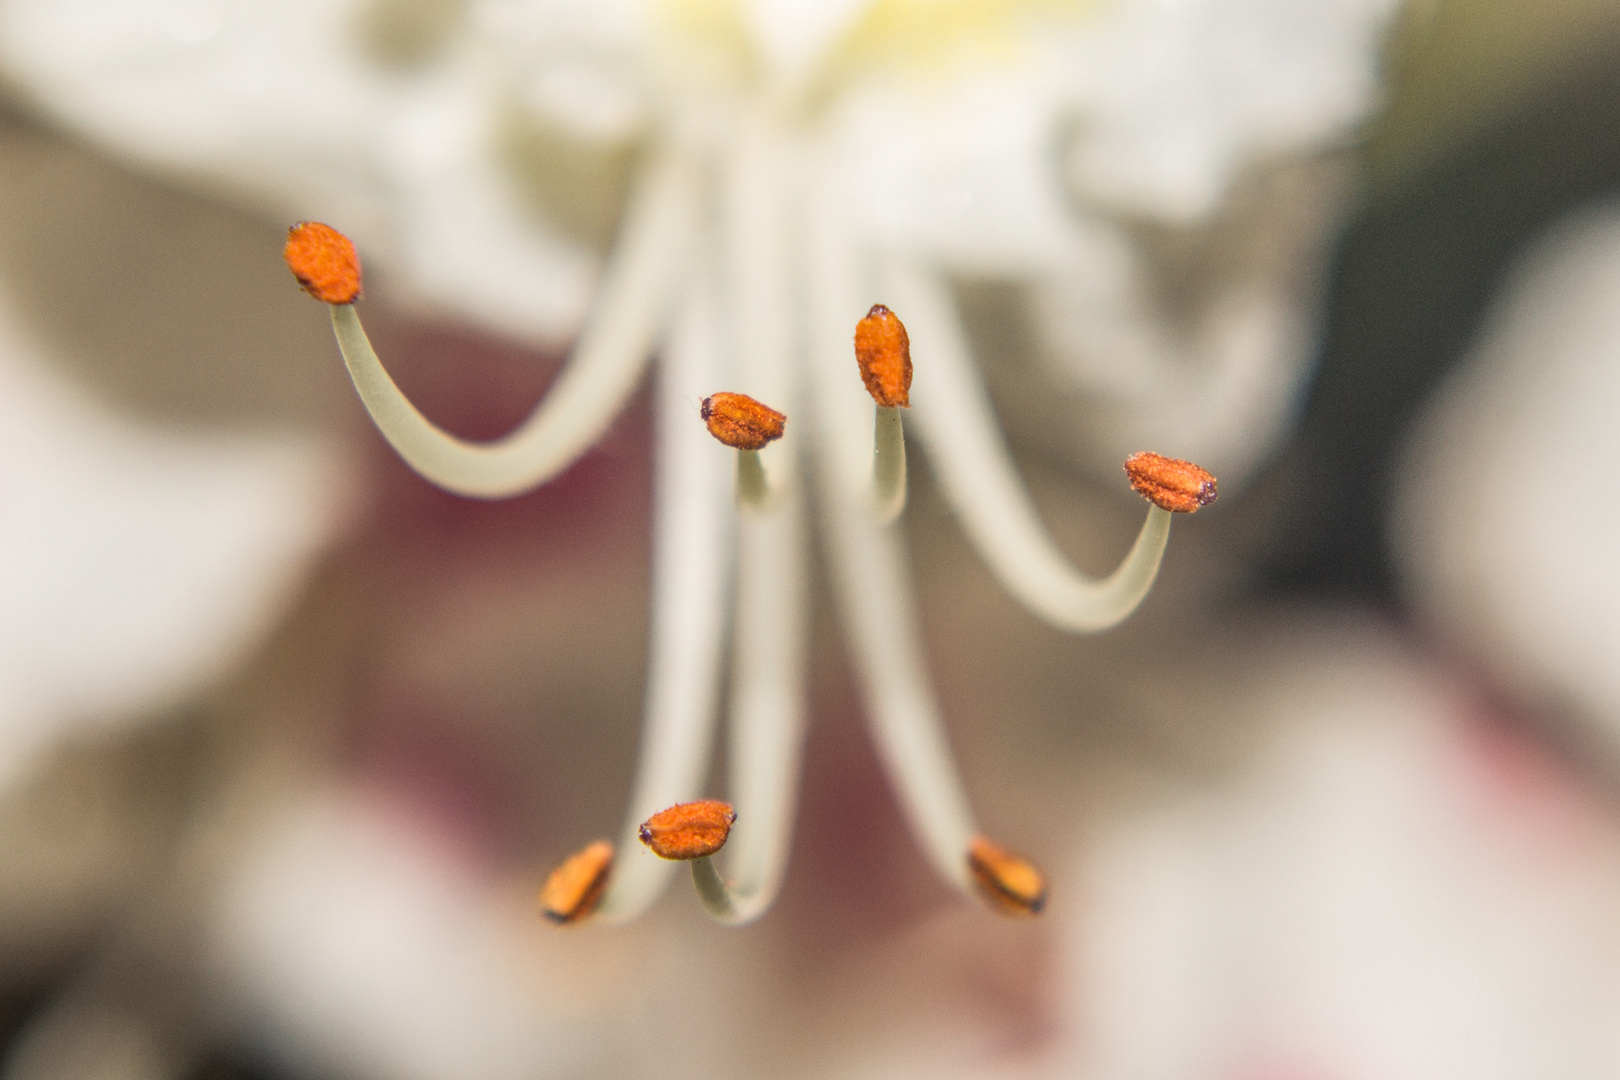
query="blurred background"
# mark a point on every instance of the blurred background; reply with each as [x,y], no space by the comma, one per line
[289,738]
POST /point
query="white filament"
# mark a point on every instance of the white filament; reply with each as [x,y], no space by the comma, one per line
[870,577]
[692,541]
[976,472]
[767,713]
[768,639]
[613,348]
[888,463]
[753,486]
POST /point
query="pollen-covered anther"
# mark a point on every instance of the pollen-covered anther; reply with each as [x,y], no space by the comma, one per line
[572,890]
[883,350]
[1009,883]
[324,262]
[689,830]
[1169,483]
[741,422]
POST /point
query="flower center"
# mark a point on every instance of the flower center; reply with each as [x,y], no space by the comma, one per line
[815,43]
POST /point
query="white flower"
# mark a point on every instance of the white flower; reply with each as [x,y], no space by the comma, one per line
[789,163]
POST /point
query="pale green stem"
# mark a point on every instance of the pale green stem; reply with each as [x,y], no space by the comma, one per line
[753,486]
[888,463]
[767,713]
[976,473]
[606,364]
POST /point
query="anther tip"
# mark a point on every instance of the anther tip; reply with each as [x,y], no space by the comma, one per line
[1170,483]
[324,262]
[883,351]
[1009,883]
[689,830]
[741,422]
[573,888]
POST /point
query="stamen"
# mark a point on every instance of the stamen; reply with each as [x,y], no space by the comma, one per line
[613,347]
[693,830]
[768,633]
[977,475]
[1009,883]
[571,892]
[869,574]
[692,546]
[883,352]
[1170,483]
[324,262]
[741,422]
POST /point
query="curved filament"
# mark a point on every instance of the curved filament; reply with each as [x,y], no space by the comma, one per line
[768,637]
[692,544]
[767,713]
[607,362]
[978,477]
[871,581]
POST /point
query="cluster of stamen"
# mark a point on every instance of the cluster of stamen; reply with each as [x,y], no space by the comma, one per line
[325,264]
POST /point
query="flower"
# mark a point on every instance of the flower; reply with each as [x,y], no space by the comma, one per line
[770,151]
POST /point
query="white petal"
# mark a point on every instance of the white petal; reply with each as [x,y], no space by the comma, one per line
[1173,97]
[1508,526]
[357,946]
[1387,891]
[135,566]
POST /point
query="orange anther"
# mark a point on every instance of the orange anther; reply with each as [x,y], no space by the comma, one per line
[739,421]
[689,830]
[883,351]
[1010,883]
[572,890]
[324,262]
[1169,483]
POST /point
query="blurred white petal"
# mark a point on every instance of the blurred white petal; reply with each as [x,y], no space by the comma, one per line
[136,566]
[356,946]
[1392,891]
[1507,528]
[1173,98]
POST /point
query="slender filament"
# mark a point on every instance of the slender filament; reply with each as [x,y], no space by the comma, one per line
[606,365]
[768,637]
[976,472]
[767,713]
[871,581]
[888,463]
[692,543]
[753,486]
